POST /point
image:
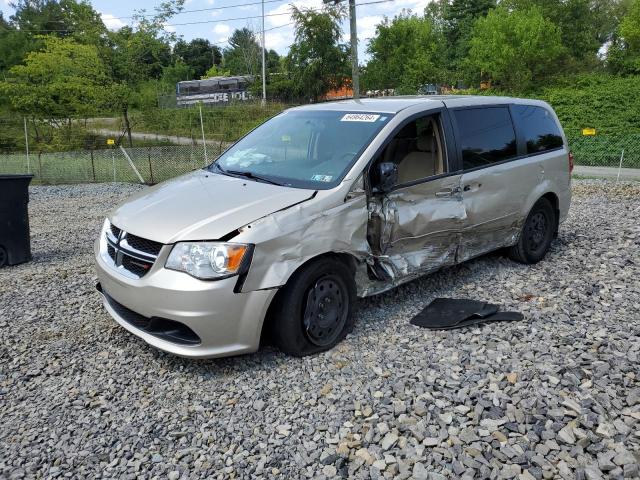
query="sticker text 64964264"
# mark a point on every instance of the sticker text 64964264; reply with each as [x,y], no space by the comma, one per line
[360,117]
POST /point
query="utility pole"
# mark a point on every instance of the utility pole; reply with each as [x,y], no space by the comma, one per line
[264,69]
[355,75]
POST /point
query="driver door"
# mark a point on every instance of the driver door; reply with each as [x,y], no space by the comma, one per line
[415,228]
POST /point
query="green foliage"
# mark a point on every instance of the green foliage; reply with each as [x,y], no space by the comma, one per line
[199,54]
[584,25]
[243,56]
[225,124]
[406,53]
[216,71]
[177,72]
[514,48]
[624,52]
[608,103]
[317,61]
[63,80]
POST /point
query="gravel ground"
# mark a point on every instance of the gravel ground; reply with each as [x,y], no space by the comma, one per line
[554,396]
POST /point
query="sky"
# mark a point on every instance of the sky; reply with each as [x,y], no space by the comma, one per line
[220,23]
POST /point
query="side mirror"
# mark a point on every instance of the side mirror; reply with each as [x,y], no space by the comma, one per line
[387,176]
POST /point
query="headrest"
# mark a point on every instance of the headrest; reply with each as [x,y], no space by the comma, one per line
[425,142]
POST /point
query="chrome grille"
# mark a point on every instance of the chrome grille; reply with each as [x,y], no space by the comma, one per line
[132,255]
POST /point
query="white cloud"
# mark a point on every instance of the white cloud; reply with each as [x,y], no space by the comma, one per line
[111,22]
[211,2]
[277,40]
[168,28]
[222,32]
[367,26]
[221,28]
[283,12]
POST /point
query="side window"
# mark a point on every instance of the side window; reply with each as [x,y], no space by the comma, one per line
[486,135]
[418,150]
[539,128]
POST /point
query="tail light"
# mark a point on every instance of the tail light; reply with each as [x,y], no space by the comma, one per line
[570,162]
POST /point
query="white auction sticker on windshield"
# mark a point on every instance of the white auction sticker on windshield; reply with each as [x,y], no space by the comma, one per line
[359,117]
[322,178]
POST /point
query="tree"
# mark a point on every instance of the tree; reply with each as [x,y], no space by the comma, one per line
[272,61]
[585,25]
[243,56]
[64,80]
[199,54]
[453,20]
[514,48]
[623,56]
[62,18]
[216,71]
[406,53]
[139,55]
[32,18]
[317,61]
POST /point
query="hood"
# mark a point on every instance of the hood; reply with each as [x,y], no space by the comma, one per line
[201,206]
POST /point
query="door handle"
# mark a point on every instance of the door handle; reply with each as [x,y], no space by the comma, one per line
[447,192]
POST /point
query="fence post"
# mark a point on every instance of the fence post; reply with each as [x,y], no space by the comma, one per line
[204,143]
[26,144]
[40,165]
[150,168]
[620,166]
[93,166]
[113,160]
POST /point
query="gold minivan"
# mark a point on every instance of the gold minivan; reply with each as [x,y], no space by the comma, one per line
[326,203]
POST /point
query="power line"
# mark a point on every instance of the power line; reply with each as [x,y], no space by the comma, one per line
[226,40]
[260,16]
[202,9]
[203,22]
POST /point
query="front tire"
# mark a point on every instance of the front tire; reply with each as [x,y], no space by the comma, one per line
[314,310]
[537,234]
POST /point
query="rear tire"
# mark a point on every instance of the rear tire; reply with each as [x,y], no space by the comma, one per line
[537,234]
[314,311]
[4,259]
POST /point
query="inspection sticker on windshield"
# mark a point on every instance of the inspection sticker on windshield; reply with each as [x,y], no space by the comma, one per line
[359,117]
[322,178]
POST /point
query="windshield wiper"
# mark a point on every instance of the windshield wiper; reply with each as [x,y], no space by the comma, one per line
[241,173]
[252,176]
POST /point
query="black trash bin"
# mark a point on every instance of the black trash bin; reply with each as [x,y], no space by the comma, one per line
[15,243]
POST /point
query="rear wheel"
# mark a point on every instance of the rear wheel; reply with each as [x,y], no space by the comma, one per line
[537,234]
[3,257]
[314,310]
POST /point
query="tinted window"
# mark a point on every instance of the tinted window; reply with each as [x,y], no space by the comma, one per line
[539,128]
[486,136]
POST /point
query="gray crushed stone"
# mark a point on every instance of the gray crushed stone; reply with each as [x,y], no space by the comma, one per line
[554,396]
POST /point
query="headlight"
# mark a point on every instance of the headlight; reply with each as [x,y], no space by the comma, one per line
[209,260]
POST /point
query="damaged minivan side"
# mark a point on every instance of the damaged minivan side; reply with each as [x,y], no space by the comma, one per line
[326,203]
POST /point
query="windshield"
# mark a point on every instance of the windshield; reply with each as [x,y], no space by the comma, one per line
[304,149]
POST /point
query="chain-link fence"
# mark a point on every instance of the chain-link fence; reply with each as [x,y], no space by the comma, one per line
[607,151]
[153,164]
[158,163]
[168,143]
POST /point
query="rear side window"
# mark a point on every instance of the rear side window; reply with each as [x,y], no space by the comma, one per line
[486,135]
[539,128]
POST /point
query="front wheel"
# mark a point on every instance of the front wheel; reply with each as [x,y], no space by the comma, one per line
[537,234]
[314,310]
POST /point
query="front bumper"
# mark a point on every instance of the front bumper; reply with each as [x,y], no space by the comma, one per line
[225,323]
